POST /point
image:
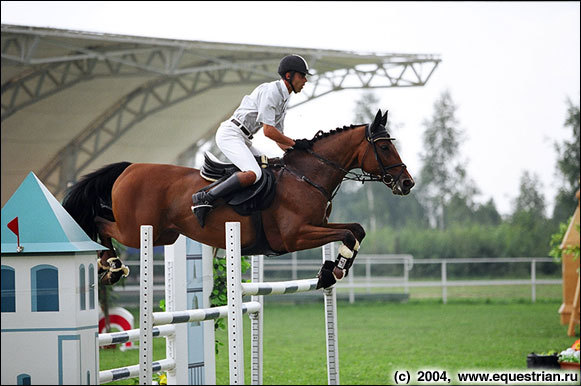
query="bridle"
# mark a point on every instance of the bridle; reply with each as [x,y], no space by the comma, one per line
[387,178]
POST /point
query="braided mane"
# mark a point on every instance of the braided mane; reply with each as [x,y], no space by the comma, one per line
[321,134]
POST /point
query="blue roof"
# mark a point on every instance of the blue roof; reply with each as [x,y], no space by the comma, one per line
[45,226]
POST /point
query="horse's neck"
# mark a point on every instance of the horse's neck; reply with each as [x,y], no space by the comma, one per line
[342,148]
[339,148]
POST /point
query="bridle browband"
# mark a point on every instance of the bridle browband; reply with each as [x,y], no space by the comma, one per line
[388,179]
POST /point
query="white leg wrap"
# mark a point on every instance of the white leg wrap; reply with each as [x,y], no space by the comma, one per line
[357,245]
[345,251]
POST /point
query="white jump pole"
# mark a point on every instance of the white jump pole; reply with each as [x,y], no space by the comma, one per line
[236,289]
[257,323]
[146,305]
[176,345]
[209,334]
[331,323]
[235,322]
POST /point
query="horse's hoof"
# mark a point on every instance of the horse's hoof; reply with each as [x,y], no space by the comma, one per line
[326,276]
[338,273]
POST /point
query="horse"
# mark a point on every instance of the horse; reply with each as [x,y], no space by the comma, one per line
[114,201]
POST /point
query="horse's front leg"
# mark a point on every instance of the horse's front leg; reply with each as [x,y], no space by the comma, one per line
[359,233]
[311,236]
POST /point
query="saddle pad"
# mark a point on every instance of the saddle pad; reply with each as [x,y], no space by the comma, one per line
[214,169]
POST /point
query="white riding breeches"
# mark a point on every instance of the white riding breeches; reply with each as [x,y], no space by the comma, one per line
[236,146]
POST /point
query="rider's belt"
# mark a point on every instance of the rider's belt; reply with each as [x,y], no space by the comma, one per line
[241,126]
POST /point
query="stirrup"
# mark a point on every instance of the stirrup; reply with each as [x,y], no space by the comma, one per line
[201,211]
[201,207]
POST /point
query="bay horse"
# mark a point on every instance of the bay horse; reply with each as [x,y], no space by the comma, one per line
[114,201]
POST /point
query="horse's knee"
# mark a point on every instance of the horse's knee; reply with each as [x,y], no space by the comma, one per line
[359,232]
[350,240]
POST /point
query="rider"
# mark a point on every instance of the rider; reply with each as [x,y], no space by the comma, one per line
[264,108]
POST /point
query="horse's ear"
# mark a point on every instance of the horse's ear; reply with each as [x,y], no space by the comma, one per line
[377,120]
[384,119]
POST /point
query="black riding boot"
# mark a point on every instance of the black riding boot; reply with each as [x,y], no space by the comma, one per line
[203,200]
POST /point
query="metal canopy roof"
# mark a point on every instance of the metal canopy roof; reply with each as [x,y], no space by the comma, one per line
[74,101]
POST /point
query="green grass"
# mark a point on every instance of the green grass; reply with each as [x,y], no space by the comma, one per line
[376,339]
[514,292]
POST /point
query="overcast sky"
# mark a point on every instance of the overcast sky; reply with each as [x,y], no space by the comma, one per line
[509,67]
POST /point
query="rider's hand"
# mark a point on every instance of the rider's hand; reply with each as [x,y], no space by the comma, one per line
[302,144]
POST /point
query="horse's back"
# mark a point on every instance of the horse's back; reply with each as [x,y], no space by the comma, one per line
[153,194]
[153,179]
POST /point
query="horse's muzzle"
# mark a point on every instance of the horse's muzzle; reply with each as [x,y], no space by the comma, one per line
[403,186]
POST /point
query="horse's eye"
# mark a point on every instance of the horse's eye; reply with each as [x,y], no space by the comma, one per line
[384,147]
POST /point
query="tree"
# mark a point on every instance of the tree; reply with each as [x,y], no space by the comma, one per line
[568,167]
[443,175]
[531,231]
[487,214]
[529,200]
[366,107]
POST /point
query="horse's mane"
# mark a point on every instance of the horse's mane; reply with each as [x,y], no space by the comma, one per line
[322,134]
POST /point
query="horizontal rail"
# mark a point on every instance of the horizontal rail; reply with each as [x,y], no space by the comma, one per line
[448,283]
[279,288]
[106,376]
[160,318]
[486,260]
[133,335]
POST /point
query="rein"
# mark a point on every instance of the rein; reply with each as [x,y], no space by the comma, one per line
[313,184]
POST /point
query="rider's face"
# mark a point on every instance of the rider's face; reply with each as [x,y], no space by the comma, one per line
[299,81]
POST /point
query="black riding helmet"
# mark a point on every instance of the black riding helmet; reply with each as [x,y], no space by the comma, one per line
[293,63]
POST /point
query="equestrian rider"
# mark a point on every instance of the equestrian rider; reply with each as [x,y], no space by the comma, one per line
[264,108]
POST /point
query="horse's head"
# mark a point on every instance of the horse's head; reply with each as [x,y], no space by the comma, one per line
[383,161]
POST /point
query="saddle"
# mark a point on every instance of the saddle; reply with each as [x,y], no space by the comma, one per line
[252,199]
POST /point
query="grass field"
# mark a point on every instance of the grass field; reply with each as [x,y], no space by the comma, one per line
[499,292]
[376,339]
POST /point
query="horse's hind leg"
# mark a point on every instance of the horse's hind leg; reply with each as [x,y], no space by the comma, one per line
[111,268]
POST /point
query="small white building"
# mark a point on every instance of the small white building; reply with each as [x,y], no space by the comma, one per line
[50,309]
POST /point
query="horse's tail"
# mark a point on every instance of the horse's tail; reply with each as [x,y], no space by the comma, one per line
[91,197]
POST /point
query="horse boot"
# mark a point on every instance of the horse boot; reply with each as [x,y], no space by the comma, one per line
[350,261]
[331,271]
[113,269]
[203,200]
[326,276]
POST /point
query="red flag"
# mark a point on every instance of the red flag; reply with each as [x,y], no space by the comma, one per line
[13,226]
